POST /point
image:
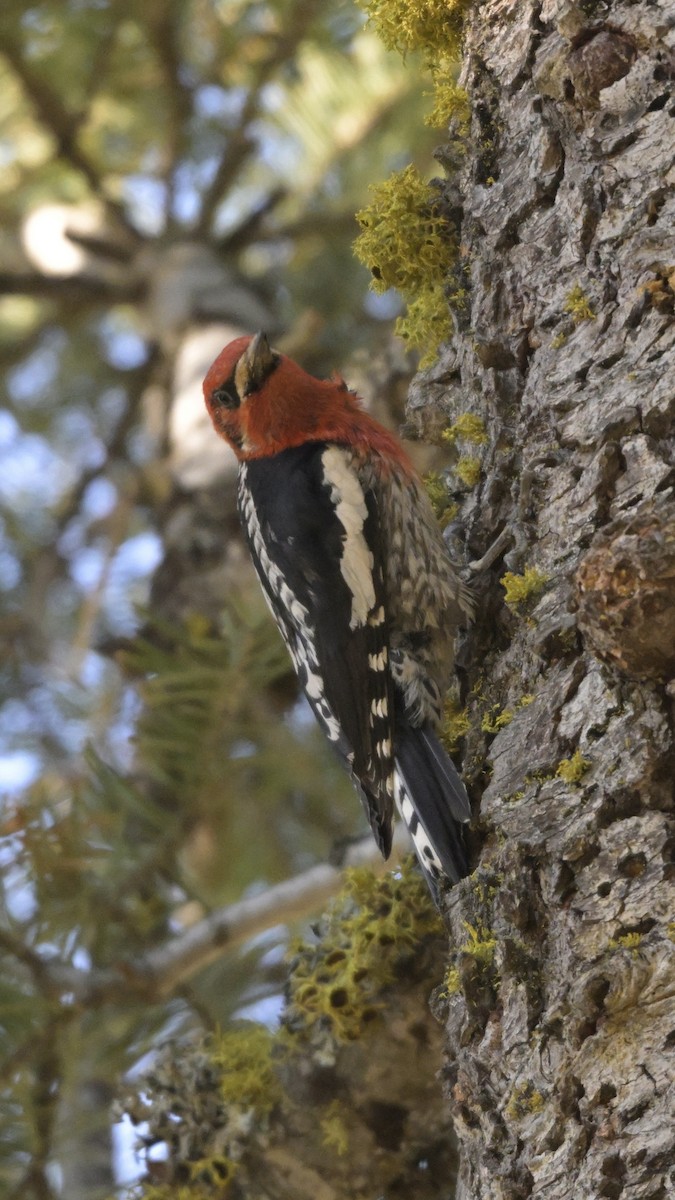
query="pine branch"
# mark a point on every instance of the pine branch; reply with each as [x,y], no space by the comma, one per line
[63,125]
[240,144]
[163,22]
[159,972]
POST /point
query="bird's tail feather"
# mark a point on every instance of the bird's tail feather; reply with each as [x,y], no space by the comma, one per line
[433,803]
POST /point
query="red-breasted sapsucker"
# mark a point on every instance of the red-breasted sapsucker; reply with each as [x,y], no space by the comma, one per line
[357,575]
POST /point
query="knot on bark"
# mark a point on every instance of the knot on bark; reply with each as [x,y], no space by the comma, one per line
[625,586]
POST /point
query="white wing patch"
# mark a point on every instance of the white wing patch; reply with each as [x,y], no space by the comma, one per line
[357,562]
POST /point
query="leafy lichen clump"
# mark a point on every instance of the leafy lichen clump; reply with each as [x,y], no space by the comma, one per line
[406,241]
[452,983]
[456,724]
[467,469]
[520,589]
[244,1056]
[203,1099]
[578,306]
[198,1098]
[494,721]
[626,941]
[573,769]
[475,958]
[451,103]
[334,1128]
[432,26]
[525,1099]
[468,427]
[437,491]
[480,946]
[368,934]
[408,244]
[405,236]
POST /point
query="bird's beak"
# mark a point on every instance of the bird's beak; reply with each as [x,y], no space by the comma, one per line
[255,364]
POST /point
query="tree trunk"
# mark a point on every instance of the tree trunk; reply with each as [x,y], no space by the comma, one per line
[559,1006]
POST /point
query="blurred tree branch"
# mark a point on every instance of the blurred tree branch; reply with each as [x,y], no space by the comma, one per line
[161,970]
[80,289]
[63,125]
[240,144]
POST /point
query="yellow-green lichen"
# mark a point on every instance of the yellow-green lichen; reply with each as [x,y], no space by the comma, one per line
[494,720]
[427,322]
[432,26]
[451,103]
[481,944]
[400,242]
[409,245]
[437,491]
[513,797]
[468,427]
[468,470]
[480,947]
[215,1172]
[524,1099]
[244,1056]
[456,291]
[455,725]
[578,306]
[573,769]
[405,237]
[532,779]
[538,777]
[485,888]
[334,1128]
[452,982]
[626,941]
[558,341]
[520,589]
[370,930]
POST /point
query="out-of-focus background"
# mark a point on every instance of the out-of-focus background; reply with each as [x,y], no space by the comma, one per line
[173,173]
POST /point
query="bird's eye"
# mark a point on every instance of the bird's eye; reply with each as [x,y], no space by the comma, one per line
[227,396]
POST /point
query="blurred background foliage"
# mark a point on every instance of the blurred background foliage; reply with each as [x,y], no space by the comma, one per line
[173,174]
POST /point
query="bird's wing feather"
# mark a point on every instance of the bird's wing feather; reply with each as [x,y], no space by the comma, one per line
[314,537]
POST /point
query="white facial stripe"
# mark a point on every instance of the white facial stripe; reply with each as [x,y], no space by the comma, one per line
[356,564]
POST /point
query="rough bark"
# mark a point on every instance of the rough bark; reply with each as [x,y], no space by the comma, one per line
[560,1014]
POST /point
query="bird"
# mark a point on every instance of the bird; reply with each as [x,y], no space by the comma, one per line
[354,567]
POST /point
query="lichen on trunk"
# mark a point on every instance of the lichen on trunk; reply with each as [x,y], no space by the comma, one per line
[558,1009]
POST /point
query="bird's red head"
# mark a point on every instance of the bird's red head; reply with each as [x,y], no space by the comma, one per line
[262,402]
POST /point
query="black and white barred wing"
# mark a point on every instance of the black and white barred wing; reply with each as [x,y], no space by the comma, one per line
[315,540]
